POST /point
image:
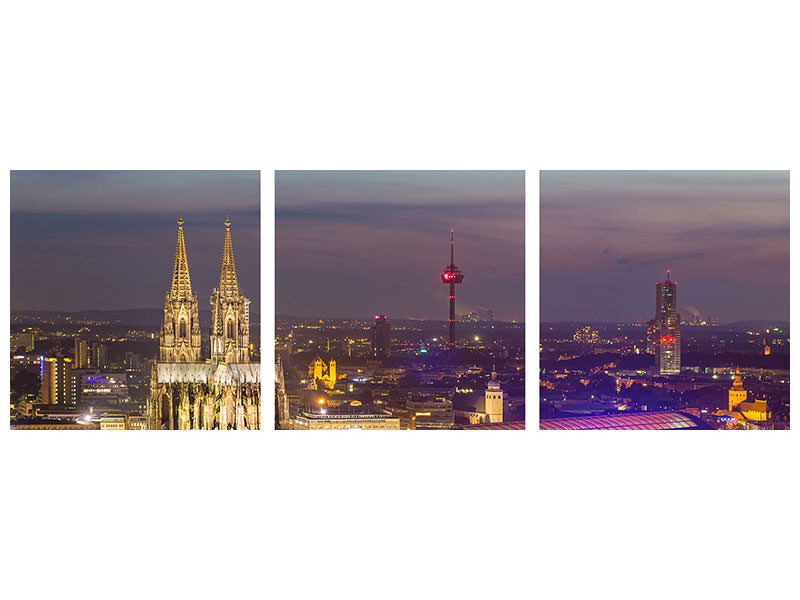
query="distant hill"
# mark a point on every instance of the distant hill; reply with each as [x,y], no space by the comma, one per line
[754,325]
[128,316]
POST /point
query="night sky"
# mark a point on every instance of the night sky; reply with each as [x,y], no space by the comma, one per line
[355,244]
[106,239]
[608,236]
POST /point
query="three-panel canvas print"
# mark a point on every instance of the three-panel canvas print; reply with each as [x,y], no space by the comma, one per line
[399,300]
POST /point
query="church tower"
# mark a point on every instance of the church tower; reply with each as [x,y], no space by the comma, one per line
[494,400]
[180,331]
[230,311]
[737,394]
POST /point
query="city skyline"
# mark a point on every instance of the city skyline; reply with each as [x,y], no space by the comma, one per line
[608,236]
[113,229]
[376,241]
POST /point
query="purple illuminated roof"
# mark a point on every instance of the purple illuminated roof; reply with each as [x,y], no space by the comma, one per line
[646,420]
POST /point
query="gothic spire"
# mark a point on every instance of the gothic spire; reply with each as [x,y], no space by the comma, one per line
[228,284]
[181,283]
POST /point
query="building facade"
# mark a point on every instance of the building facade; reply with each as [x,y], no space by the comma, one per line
[96,386]
[223,391]
[81,353]
[56,381]
[309,420]
[737,402]
[322,372]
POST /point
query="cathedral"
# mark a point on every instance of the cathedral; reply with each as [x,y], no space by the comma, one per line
[218,392]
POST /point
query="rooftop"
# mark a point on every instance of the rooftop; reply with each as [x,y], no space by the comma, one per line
[513,425]
[647,421]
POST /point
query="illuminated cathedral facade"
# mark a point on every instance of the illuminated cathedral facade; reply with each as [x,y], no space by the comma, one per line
[218,392]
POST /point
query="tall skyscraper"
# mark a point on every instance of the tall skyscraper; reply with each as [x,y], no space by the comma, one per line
[668,328]
[381,338]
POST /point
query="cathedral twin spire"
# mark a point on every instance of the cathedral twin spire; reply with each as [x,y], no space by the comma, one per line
[180,332]
[230,311]
[181,282]
[228,284]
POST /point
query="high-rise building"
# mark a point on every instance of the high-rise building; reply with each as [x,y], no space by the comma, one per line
[56,380]
[668,327]
[180,331]
[494,400]
[98,356]
[230,311]
[81,353]
[381,338]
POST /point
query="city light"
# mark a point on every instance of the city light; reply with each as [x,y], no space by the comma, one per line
[715,357]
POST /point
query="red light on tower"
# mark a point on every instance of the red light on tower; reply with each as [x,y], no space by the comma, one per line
[667,339]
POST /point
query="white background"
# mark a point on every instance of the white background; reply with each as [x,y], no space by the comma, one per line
[364,85]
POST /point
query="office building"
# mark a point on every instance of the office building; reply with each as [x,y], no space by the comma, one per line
[56,380]
[668,327]
[381,338]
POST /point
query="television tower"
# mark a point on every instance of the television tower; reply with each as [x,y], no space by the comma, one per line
[452,275]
